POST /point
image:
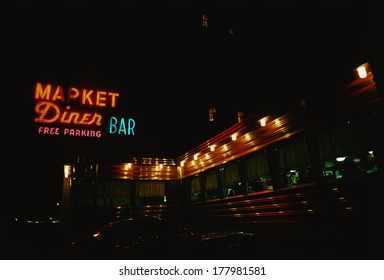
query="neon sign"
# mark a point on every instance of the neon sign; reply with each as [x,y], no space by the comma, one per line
[57,113]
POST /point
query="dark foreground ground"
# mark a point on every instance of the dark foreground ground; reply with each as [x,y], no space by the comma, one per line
[278,241]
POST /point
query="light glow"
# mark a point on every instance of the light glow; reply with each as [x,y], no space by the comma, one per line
[362,71]
[67,170]
[340,159]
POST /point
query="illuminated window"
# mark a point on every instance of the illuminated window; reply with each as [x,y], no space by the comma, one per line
[204,20]
[240,116]
[212,112]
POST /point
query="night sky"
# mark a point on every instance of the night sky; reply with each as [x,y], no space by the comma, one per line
[169,70]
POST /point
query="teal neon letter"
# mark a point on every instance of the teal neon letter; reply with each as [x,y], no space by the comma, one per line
[126,129]
[112,125]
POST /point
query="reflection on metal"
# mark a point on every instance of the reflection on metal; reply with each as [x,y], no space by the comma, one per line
[241,139]
[257,132]
[141,169]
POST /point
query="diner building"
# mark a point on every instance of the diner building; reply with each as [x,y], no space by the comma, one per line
[305,163]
